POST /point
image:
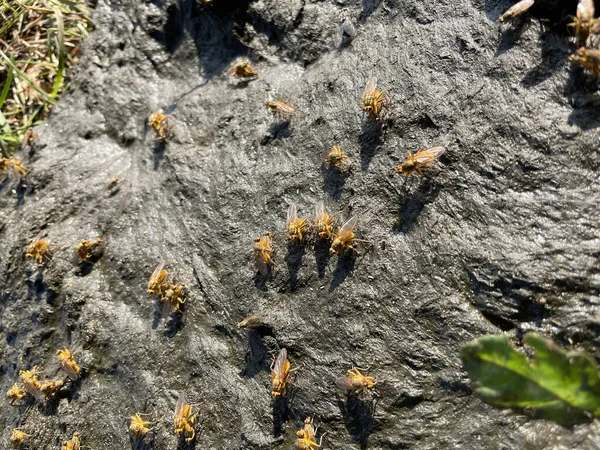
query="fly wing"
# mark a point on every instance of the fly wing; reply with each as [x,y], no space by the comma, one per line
[292,214]
[348,28]
[349,225]
[166,309]
[261,265]
[319,210]
[38,236]
[179,406]
[370,87]
[268,241]
[280,361]
[231,70]
[284,108]
[344,383]
[436,151]
[73,375]
[156,273]
[325,154]
[585,10]
[339,36]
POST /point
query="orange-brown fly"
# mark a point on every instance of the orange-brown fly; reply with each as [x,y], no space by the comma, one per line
[336,158]
[422,159]
[344,240]
[15,393]
[280,374]
[242,70]
[306,437]
[294,226]
[324,222]
[279,108]
[39,249]
[88,249]
[583,22]
[374,102]
[14,165]
[588,58]
[68,364]
[30,381]
[263,251]
[183,420]
[516,10]
[159,122]
[356,383]
[17,437]
[138,426]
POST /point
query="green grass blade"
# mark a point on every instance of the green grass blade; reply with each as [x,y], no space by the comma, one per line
[22,75]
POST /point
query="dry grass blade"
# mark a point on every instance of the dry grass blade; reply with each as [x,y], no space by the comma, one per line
[39,40]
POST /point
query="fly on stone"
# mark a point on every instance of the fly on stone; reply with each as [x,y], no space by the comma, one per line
[345,26]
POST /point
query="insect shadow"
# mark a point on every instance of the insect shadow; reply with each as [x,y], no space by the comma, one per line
[70,392]
[183,445]
[280,129]
[39,289]
[334,180]
[322,256]
[358,417]
[176,323]
[260,279]
[141,444]
[158,153]
[582,92]
[370,137]
[258,351]
[345,266]
[293,260]
[411,205]
[281,413]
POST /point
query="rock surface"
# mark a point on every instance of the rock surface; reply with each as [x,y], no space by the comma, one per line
[502,235]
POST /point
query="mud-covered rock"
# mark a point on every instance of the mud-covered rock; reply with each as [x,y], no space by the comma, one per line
[501,235]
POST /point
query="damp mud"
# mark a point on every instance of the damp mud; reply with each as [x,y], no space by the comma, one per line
[501,235]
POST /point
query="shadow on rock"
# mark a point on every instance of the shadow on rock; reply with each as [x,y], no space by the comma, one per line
[39,289]
[371,137]
[211,29]
[175,324]
[183,445]
[260,279]
[322,256]
[582,92]
[333,181]
[142,444]
[412,205]
[554,13]
[159,153]
[368,7]
[294,262]
[358,416]
[257,353]
[555,54]
[280,130]
[511,33]
[281,413]
[345,266]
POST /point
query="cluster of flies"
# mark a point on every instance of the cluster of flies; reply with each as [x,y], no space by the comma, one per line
[586,29]
[44,390]
[86,251]
[323,226]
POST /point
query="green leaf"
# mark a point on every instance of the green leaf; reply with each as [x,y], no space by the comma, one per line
[556,385]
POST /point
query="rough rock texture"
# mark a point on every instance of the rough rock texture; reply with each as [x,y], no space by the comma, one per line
[502,235]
